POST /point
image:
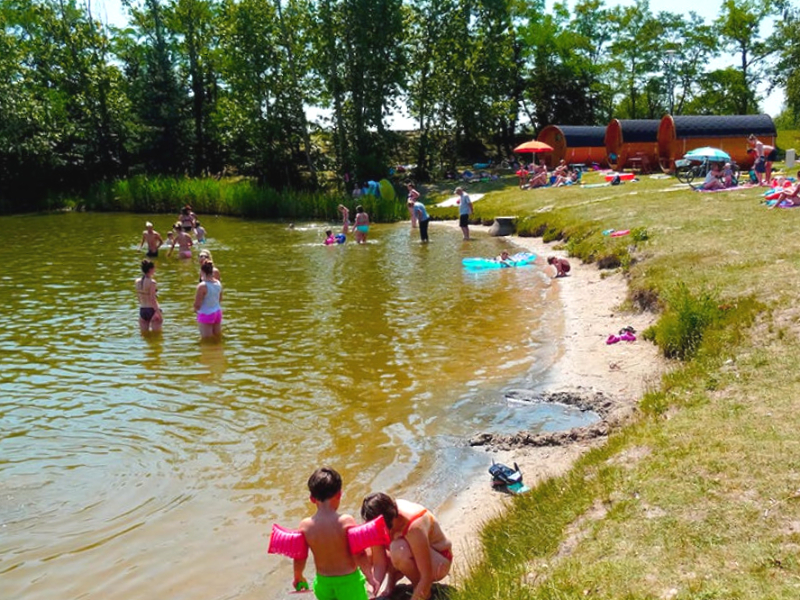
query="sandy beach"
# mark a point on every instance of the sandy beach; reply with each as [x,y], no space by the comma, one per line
[586,365]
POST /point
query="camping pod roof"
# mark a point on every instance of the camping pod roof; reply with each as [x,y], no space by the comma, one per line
[639,130]
[582,135]
[723,126]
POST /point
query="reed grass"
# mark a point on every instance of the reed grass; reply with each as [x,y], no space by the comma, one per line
[236,197]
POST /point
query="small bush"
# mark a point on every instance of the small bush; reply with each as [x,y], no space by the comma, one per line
[680,329]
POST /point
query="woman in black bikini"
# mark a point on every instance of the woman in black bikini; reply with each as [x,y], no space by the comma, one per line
[150,317]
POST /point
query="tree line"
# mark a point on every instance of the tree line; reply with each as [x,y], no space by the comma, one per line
[216,87]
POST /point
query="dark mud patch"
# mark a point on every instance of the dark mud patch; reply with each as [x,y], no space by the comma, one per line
[610,411]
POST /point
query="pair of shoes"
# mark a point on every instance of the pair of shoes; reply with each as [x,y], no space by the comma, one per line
[612,339]
[627,337]
[627,329]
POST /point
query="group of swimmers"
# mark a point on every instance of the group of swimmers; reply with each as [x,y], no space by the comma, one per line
[418,548]
[208,294]
[180,235]
[360,226]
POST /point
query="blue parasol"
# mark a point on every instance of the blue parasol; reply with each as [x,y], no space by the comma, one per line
[712,154]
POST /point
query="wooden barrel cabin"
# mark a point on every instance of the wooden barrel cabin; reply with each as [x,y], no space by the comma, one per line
[632,143]
[678,135]
[577,144]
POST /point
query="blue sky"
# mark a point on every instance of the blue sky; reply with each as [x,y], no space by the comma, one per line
[112,12]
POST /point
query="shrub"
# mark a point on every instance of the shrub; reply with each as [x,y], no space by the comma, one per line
[681,328]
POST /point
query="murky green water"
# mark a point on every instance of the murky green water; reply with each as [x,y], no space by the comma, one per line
[134,467]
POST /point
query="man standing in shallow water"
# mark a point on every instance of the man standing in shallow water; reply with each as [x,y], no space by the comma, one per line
[153,239]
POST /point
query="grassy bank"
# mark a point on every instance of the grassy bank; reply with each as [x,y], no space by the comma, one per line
[700,498]
[236,197]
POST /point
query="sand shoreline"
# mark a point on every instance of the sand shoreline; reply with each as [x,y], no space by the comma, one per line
[584,364]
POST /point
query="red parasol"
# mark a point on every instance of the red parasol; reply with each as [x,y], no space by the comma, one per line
[533,147]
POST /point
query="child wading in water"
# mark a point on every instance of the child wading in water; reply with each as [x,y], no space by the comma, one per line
[326,536]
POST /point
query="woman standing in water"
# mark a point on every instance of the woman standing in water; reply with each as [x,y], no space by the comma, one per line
[150,317]
[207,303]
[362,225]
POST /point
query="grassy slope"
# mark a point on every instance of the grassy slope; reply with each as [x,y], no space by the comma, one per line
[701,498]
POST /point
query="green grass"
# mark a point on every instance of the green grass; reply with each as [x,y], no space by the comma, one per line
[700,497]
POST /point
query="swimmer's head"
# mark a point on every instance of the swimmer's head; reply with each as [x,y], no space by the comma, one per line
[204,256]
[504,254]
[328,232]
[378,504]
[411,203]
[551,260]
[359,209]
[170,234]
[148,225]
[186,209]
[207,268]
[197,223]
[324,484]
[147,266]
[458,190]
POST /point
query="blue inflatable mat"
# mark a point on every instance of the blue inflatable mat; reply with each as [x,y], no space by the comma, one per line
[515,260]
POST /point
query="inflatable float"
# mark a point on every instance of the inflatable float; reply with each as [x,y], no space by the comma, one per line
[292,543]
[372,533]
[515,260]
[622,176]
[387,190]
[286,542]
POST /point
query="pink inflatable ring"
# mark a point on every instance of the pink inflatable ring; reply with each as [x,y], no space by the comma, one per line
[288,543]
[371,533]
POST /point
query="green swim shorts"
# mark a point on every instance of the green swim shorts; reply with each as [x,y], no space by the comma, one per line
[342,587]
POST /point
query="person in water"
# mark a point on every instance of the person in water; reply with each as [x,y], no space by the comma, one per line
[561,265]
[184,242]
[504,259]
[187,219]
[200,232]
[205,256]
[150,316]
[417,208]
[413,197]
[345,212]
[208,303]
[153,240]
[419,549]
[338,575]
[361,225]
[464,211]
[329,239]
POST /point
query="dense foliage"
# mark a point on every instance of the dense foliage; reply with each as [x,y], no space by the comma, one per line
[219,87]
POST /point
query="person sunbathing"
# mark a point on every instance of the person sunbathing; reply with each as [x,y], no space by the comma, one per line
[788,197]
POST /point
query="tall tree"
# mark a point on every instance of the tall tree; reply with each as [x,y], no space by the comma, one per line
[360,61]
[147,50]
[193,22]
[739,26]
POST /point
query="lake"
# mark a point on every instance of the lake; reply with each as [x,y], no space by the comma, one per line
[139,466]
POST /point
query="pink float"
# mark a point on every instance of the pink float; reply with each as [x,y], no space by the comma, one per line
[620,233]
[372,533]
[287,543]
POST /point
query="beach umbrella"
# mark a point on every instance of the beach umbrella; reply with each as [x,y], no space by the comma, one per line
[712,154]
[533,147]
